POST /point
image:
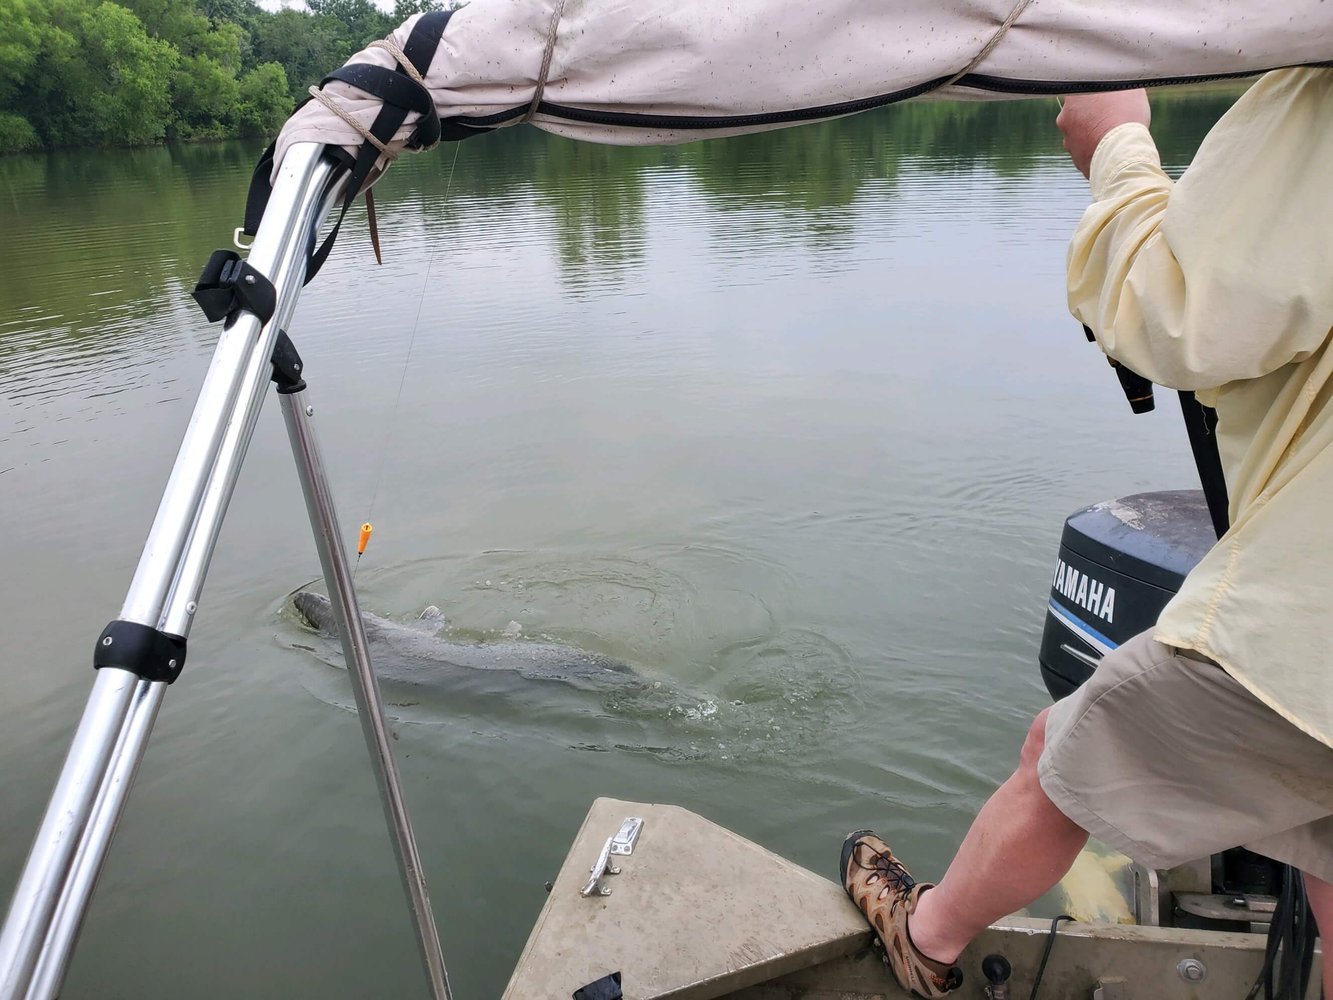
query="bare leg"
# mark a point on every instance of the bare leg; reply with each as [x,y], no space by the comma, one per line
[1019,846]
[1320,894]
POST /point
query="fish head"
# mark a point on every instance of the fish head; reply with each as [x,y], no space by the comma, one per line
[316,610]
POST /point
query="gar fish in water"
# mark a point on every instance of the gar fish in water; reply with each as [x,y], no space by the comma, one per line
[414,654]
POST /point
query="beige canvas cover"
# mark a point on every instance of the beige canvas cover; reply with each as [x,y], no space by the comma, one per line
[642,72]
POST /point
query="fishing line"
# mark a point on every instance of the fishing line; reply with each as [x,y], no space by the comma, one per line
[367,527]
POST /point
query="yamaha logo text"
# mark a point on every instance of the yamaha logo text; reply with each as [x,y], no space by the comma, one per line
[1089,594]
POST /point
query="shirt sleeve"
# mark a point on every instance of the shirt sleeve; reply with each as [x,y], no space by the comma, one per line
[1227,274]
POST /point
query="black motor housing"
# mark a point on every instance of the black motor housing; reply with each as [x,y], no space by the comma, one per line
[1120,562]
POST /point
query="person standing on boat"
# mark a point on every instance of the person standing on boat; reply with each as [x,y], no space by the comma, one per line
[1216,727]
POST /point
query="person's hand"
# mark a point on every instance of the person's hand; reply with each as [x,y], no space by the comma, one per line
[1086,118]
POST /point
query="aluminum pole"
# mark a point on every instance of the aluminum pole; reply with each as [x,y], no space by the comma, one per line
[295,202]
[298,415]
[90,793]
[41,884]
[58,949]
[182,602]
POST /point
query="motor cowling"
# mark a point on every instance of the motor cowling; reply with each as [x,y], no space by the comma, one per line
[1120,562]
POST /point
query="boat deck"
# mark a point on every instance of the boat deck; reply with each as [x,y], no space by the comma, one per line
[697,912]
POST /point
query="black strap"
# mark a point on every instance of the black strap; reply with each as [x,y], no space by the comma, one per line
[389,86]
[1201,426]
[229,283]
[398,91]
[287,366]
[401,95]
[1137,389]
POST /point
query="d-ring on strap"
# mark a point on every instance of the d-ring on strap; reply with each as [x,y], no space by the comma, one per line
[401,93]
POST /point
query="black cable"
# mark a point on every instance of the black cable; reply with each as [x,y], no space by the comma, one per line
[1304,951]
[1265,979]
[1289,951]
[1045,955]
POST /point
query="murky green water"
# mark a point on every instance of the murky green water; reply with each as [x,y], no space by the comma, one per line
[790,423]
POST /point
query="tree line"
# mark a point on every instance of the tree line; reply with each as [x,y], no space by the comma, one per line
[140,72]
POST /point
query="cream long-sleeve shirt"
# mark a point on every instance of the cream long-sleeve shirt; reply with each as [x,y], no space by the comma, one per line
[1223,283]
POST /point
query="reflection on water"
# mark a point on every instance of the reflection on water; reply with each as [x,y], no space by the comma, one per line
[788,422]
[73,219]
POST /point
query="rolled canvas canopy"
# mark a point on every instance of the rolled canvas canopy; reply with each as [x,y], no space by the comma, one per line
[643,72]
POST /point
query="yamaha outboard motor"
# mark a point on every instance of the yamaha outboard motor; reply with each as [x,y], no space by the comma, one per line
[1120,562]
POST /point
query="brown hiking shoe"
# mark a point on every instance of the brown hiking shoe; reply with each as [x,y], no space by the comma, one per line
[886,893]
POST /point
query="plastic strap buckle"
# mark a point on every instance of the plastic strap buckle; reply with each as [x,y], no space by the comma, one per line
[229,283]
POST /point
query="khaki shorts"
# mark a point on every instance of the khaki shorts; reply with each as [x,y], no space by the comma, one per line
[1166,758]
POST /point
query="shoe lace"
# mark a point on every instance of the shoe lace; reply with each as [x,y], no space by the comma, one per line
[890,870]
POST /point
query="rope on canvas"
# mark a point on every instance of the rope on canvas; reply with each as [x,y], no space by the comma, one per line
[401,57]
[351,122]
[989,47]
[546,61]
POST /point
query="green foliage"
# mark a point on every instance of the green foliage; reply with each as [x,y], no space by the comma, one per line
[240,12]
[222,44]
[263,103]
[130,72]
[96,77]
[306,47]
[175,21]
[16,134]
[204,97]
[403,9]
[135,71]
[358,22]
[19,44]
